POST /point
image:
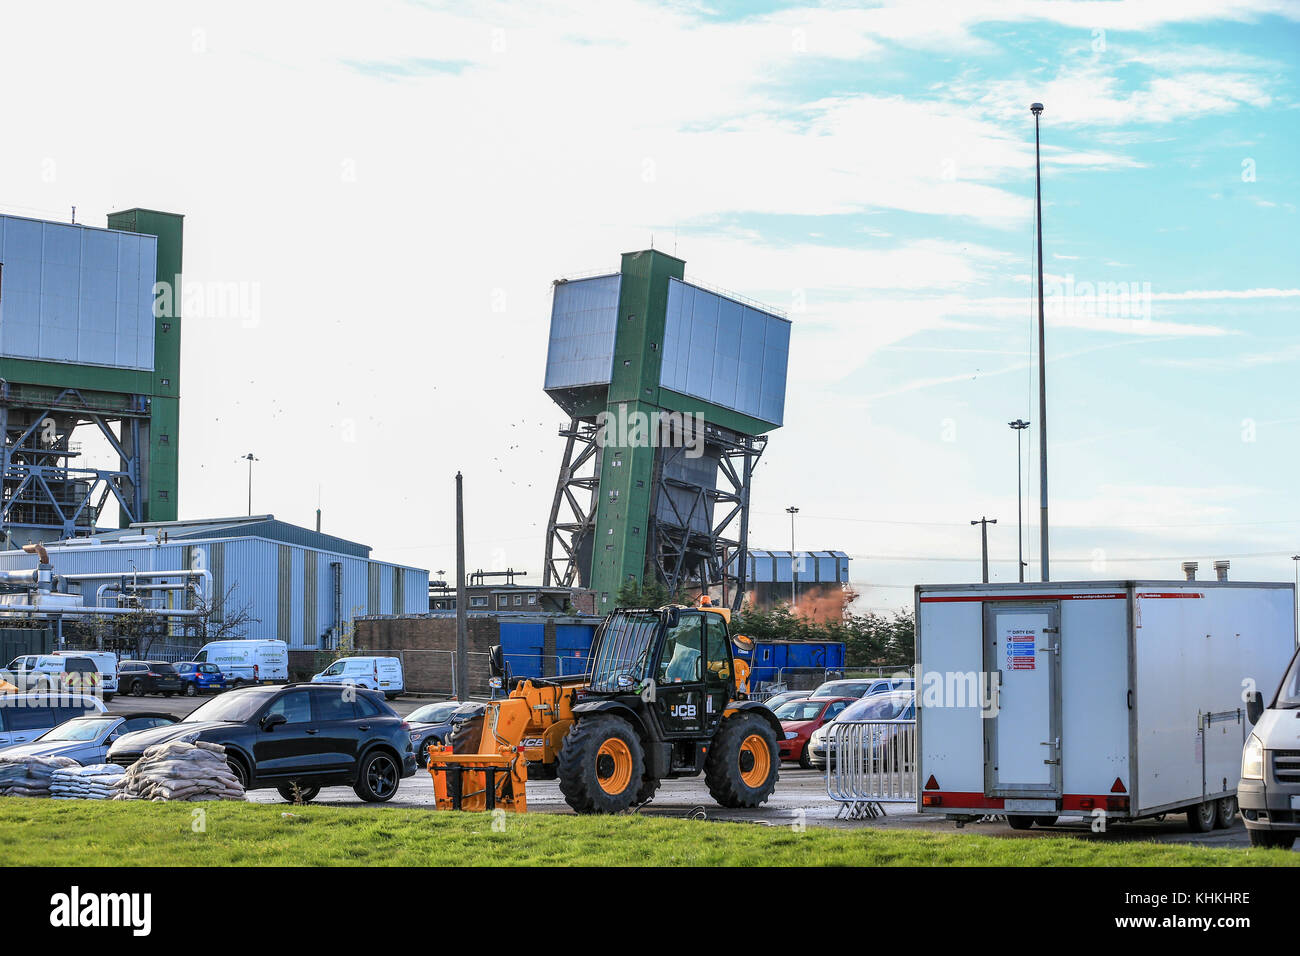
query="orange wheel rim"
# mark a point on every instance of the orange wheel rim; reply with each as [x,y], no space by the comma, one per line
[614,766]
[754,754]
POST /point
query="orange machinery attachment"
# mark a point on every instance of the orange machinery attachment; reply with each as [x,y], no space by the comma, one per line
[528,725]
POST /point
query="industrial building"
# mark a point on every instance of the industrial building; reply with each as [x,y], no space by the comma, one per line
[295,584]
[801,577]
[671,389]
[87,346]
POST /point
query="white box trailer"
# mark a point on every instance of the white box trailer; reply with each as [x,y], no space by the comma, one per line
[1126,697]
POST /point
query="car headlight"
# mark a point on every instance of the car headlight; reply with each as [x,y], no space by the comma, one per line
[1252,759]
[790,735]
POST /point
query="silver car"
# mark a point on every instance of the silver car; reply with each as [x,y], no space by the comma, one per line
[86,739]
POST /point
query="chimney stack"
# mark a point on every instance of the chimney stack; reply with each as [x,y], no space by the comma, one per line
[1221,569]
[1189,569]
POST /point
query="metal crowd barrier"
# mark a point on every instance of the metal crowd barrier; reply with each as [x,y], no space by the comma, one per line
[870,763]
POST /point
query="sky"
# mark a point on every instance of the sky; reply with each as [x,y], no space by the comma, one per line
[389,189]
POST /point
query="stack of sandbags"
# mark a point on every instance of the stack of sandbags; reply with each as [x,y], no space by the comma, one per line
[96,782]
[180,771]
[22,776]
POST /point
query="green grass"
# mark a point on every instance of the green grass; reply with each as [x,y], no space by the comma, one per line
[55,833]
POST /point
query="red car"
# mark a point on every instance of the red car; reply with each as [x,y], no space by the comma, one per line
[799,718]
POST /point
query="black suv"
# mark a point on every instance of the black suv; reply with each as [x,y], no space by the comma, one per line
[138,678]
[296,738]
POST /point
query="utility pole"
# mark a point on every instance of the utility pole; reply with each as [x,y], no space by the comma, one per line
[984,542]
[792,511]
[1037,109]
[1295,595]
[250,459]
[1019,425]
[461,687]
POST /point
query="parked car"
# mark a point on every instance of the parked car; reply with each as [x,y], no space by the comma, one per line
[776,700]
[295,738]
[383,674]
[85,739]
[138,678]
[862,687]
[897,705]
[1269,791]
[44,673]
[199,678]
[799,718]
[431,724]
[24,717]
[248,662]
[106,661]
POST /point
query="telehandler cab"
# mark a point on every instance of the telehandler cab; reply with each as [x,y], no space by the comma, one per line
[664,696]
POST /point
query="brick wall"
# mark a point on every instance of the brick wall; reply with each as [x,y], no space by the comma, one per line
[425,646]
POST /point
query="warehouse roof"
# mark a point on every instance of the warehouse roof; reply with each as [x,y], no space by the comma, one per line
[260,526]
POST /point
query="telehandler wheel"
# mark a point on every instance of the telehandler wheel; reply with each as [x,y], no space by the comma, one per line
[741,768]
[601,764]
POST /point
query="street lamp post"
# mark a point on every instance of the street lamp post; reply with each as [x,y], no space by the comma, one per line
[250,459]
[1019,425]
[792,511]
[1037,109]
[984,542]
[1295,595]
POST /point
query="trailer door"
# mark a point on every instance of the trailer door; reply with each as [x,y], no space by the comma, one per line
[1022,737]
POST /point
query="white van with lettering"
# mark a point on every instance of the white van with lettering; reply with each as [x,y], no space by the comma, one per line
[383,674]
[1269,791]
[248,662]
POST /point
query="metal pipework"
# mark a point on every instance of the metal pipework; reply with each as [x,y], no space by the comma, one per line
[203,573]
[86,610]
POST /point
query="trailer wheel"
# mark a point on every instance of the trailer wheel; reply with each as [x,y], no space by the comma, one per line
[601,765]
[1017,822]
[1202,817]
[741,768]
[1046,821]
[1226,811]
[1272,839]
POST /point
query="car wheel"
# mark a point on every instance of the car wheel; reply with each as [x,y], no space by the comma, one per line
[379,776]
[239,770]
[1272,839]
[137,689]
[168,693]
[804,760]
[422,751]
[304,794]
[191,690]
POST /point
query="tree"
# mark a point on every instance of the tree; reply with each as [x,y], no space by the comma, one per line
[220,617]
[869,639]
[649,593]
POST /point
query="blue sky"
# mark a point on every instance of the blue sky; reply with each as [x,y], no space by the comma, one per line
[400,188]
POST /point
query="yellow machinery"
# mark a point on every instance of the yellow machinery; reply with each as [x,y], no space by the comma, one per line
[646,725]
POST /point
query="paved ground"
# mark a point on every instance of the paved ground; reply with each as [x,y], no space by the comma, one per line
[800,796]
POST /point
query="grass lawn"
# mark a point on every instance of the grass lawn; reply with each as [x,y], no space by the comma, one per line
[105,833]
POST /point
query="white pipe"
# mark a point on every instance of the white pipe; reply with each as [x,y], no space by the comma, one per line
[202,573]
[87,610]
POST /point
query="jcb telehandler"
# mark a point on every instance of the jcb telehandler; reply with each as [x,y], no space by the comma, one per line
[664,696]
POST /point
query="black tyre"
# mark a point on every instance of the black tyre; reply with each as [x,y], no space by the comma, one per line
[1225,813]
[168,693]
[1202,817]
[1046,821]
[137,689]
[601,765]
[1272,839]
[380,774]
[805,761]
[1017,822]
[239,770]
[305,794]
[191,690]
[422,752]
[108,698]
[742,766]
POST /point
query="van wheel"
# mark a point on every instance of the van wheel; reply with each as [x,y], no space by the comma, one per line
[378,779]
[1202,817]
[305,794]
[1271,839]
[236,684]
[1225,812]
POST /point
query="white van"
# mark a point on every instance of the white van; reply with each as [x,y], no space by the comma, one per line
[1269,791]
[248,662]
[106,661]
[383,674]
[71,670]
